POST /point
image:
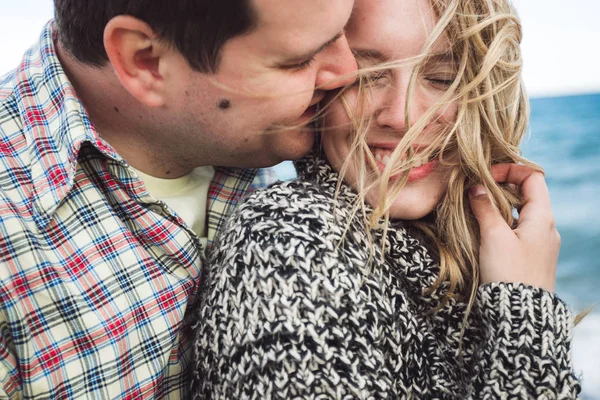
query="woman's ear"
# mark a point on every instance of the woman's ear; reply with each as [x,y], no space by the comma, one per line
[135,53]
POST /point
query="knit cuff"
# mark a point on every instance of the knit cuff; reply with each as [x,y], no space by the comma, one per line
[526,321]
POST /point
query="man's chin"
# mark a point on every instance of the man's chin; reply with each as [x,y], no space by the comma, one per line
[298,146]
[272,159]
[279,147]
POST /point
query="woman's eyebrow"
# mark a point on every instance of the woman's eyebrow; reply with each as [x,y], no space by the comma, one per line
[377,56]
[304,57]
[442,57]
[369,54]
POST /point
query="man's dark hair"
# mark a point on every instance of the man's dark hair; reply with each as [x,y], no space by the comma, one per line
[197,28]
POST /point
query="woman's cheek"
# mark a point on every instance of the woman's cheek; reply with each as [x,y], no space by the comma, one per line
[336,118]
[449,114]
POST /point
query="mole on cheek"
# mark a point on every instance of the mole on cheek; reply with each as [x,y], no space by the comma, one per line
[224,104]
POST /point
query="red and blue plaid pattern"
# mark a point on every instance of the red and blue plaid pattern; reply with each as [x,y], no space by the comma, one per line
[95,273]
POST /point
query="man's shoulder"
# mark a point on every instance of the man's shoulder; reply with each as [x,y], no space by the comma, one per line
[7,84]
[10,116]
[14,146]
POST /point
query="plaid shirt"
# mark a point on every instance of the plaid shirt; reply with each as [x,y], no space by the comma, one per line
[95,273]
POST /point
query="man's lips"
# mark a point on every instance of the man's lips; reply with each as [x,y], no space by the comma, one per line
[309,114]
[311,111]
[317,98]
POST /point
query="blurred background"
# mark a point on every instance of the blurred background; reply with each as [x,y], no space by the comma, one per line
[562,74]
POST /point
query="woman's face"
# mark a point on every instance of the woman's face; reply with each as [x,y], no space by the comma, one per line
[387,30]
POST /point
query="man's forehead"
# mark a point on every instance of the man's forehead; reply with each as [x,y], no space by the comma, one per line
[295,13]
[300,26]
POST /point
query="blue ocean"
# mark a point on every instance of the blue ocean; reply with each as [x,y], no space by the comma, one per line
[564,139]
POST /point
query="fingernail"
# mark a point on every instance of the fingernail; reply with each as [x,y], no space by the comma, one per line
[477,190]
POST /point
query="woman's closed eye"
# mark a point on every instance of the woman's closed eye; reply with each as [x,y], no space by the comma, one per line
[439,74]
[376,77]
[442,81]
[368,69]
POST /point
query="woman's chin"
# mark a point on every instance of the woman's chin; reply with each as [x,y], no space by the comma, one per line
[410,209]
[407,215]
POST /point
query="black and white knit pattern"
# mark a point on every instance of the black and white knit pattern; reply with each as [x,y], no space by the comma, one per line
[292,311]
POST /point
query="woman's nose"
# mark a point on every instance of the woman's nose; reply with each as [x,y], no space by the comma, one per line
[392,108]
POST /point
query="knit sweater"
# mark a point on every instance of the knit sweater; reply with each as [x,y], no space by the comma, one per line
[294,307]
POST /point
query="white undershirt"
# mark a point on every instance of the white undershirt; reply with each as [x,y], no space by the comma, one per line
[187,196]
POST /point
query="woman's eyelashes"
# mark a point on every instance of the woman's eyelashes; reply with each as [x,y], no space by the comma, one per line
[381,78]
[372,77]
[377,78]
[440,75]
[441,82]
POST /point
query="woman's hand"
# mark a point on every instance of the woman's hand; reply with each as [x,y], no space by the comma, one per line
[529,253]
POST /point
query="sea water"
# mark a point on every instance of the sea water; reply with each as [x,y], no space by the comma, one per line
[564,138]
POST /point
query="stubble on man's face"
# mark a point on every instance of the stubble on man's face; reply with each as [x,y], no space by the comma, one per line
[247,114]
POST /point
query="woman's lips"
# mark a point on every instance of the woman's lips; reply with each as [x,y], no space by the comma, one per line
[417,173]
[422,172]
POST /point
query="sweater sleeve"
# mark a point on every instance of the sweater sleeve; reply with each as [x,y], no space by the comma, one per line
[284,316]
[526,352]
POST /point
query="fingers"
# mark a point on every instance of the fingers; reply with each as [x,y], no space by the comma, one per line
[532,182]
[536,218]
[488,217]
[511,173]
[536,198]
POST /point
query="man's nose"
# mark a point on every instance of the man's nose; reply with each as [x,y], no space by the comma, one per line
[339,66]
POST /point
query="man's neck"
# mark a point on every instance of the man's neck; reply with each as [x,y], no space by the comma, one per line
[119,118]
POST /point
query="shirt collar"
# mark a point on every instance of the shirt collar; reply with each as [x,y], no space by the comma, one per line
[55,121]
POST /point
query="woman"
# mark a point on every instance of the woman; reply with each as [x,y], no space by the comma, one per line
[381,284]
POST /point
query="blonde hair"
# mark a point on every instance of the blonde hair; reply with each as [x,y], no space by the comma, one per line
[491,120]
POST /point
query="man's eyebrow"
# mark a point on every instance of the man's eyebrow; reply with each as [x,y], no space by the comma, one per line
[310,55]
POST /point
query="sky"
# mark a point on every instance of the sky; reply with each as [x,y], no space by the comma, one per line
[560,41]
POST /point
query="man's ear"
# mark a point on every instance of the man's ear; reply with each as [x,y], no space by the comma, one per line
[135,54]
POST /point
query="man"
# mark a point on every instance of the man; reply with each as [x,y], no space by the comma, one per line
[119,100]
